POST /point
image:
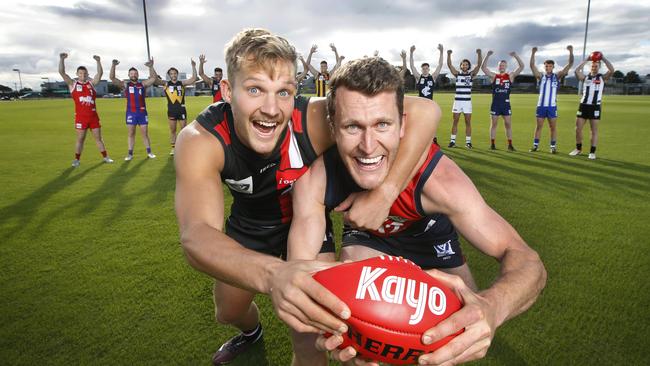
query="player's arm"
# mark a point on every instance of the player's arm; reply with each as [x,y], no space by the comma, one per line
[68,80]
[485,68]
[477,67]
[610,69]
[338,58]
[521,279]
[533,66]
[194,77]
[199,203]
[312,69]
[100,71]
[520,66]
[111,75]
[451,67]
[414,70]
[580,70]
[305,70]
[436,72]
[207,80]
[153,75]
[402,72]
[565,71]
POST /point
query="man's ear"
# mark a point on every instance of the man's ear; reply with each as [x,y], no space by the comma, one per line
[226,90]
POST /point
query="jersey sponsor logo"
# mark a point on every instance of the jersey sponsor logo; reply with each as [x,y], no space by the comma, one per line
[392,225]
[426,91]
[397,290]
[86,100]
[444,250]
[242,186]
[267,167]
[131,90]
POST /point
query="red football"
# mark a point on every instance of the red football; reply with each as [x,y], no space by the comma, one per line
[392,302]
[596,56]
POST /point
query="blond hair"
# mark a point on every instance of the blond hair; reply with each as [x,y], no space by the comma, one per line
[258,48]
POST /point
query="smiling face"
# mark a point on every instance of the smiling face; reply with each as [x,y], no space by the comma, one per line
[549,66]
[262,101]
[82,74]
[502,66]
[133,75]
[323,67]
[595,66]
[367,131]
[464,66]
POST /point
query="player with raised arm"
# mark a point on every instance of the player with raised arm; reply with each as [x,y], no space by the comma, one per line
[402,71]
[592,95]
[463,97]
[549,82]
[136,108]
[212,82]
[258,143]
[82,91]
[425,81]
[301,75]
[322,76]
[367,123]
[501,83]
[175,93]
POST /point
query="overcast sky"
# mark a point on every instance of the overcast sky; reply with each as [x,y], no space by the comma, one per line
[33,33]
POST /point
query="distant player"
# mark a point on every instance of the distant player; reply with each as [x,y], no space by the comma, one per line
[322,76]
[302,75]
[463,98]
[501,83]
[175,93]
[402,70]
[592,95]
[425,81]
[214,82]
[136,108]
[549,83]
[83,94]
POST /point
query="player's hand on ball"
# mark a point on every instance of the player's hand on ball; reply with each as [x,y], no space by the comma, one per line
[348,354]
[302,303]
[477,317]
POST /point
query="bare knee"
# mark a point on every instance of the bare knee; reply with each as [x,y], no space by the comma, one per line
[227,315]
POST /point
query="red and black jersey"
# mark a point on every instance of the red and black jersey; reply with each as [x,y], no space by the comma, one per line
[261,186]
[406,211]
[216,91]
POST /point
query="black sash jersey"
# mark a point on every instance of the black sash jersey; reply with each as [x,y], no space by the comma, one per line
[260,187]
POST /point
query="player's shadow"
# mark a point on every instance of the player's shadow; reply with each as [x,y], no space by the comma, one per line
[24,211]
[163,184]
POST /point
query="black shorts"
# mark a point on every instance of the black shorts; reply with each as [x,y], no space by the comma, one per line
[271,240]
[177,113]
[589,111]
[427,248]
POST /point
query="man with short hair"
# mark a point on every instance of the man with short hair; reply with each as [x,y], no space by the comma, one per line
[212,82]
[322,76]
[501,83]
[175,93]
[136,108]
[589,109]
[549,83]
[463,97]
[425,81]
[258,143]
[365,110]
[83,94]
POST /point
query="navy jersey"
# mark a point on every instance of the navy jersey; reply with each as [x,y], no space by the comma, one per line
[134,94]
[501,89]
[425,86]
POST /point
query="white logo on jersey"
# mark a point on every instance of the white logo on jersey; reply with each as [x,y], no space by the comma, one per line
[426,91]
[86,100]
[444,250]
[267,167]
[243,186]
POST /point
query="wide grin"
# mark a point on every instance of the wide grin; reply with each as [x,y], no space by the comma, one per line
[369,163]
[265,128]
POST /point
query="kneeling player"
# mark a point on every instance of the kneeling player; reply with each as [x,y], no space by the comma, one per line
[366,112]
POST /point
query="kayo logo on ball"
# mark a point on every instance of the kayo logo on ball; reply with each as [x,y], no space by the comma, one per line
[397,290]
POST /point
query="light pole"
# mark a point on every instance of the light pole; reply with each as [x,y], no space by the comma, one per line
[146,33]
[584,44]
[19,79]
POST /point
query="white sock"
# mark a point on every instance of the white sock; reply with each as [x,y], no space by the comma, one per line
[453,138]
[468,139]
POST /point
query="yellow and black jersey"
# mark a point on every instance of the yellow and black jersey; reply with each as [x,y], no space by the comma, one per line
[321,81]
[175,93]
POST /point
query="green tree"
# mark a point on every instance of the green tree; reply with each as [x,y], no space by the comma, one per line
[618,74]
[632,77]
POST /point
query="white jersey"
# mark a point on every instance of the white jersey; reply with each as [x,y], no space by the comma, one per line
[548,90]
[463,87]
[592,89]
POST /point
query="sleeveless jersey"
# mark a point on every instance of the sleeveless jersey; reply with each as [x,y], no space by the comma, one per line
[425,86]
[463,87]
[84,96]
[592,89]
[321,84]
[175,93]
[406,210]
[548,90]
[216,91]
[261,186]
[501,89]
[134,94]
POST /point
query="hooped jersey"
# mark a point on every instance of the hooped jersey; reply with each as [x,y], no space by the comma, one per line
[425,86]
[175,93]
[548,86]
[216,90]
[463,87]
[321,81]
[135,94]
[84,96]
[406,212]
[592,89]
[261,186]
[501,89]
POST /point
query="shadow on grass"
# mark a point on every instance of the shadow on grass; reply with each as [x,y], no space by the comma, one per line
[25,210]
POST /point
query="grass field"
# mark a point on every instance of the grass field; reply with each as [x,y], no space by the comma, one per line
[92,272]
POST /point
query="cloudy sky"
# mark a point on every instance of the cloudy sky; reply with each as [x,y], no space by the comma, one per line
[34,32]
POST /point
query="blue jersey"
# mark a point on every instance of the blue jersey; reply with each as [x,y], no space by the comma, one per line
[134,93]
[501,89]
[548,91]
[425,86]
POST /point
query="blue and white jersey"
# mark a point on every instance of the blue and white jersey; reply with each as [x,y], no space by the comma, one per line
[548,90]
[463,87]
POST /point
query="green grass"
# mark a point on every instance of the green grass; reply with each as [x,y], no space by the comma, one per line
[92,271]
